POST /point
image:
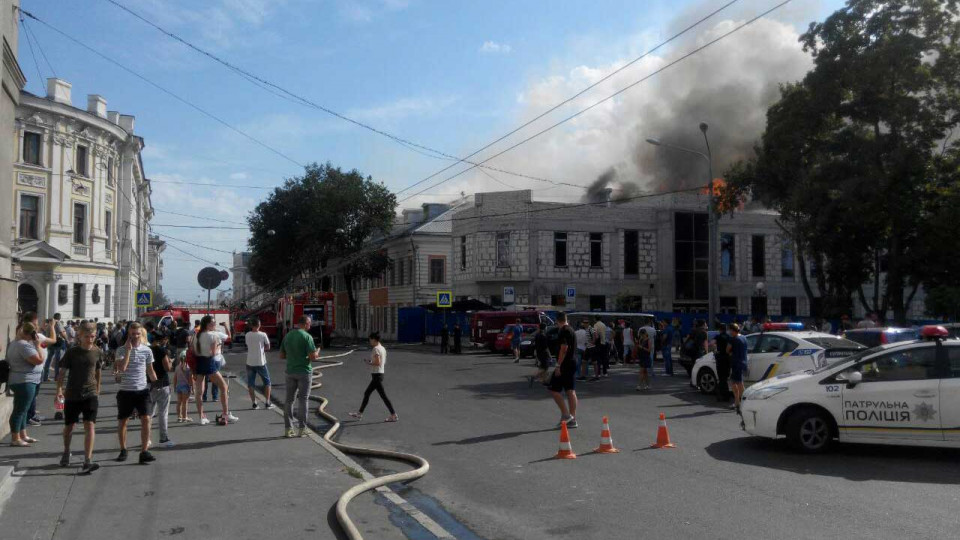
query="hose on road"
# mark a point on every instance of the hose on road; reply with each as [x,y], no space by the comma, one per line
[422,466]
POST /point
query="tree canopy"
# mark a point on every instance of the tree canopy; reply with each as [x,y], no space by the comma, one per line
[861,158]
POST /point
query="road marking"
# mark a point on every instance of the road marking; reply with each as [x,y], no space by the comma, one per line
[8,482]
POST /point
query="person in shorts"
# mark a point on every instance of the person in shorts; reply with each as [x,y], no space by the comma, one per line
[738,363]
[541,346]
[645,359]
[563,379]
[258,343]
[183,382]
[78,383]
[135,369]
[516,333]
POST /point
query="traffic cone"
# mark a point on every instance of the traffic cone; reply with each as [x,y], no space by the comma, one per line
[606,443]
[566,451]
[663,436]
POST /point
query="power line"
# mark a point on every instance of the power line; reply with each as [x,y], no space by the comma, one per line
[40,48]
[611,96]
[162,89]
[198,217]
[199,226]
[304,101]
[23,23]
[211,185]
[193,244]
[580,93]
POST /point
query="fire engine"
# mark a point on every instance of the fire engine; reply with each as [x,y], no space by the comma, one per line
[268,323]
[161,318]
[318,305]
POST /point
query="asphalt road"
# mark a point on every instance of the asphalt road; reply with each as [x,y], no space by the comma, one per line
[490,439]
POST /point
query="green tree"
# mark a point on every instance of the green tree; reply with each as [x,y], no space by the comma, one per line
[325,216]
[853,155]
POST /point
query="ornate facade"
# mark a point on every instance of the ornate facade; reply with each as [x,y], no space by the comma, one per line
[81,204]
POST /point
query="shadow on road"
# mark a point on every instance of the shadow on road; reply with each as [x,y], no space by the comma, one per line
[857,462]
[492,437]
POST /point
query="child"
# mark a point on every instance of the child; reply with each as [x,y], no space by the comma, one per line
[377,362]
[183,381]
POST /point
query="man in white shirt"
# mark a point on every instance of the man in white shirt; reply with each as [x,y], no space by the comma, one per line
[135,371]
[583,363]
[258,343]
[602,352]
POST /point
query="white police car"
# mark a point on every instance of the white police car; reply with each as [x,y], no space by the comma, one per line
[905,393]
[779,348]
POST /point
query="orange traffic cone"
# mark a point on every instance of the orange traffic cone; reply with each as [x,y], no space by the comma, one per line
[566,451]
[663,436]
[606,443]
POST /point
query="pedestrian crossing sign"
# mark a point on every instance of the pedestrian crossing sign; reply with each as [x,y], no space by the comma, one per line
[444,299]
[144,299]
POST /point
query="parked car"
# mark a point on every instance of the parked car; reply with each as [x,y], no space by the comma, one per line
[502,343]
[872,337]
[553,342]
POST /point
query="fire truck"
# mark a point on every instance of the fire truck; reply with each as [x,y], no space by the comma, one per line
[161,318]
[320,306]
[268,323]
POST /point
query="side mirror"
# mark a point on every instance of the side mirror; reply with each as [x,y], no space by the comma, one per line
[854,379]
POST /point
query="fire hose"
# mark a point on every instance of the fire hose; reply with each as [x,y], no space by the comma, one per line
[422,466]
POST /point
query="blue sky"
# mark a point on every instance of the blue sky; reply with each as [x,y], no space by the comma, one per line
[448,75]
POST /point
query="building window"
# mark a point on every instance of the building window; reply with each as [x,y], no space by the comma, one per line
[31,148]
[558,300]
[691,255]
[106,300]
[401,267]
[788,306]
[108,228]
[728,305]
[437,270]
[30,216]
[758,256]
[463,252]
[79,223]
[598,303]
[631,253]
[728,257]
[559,249]
[78,300]
[503,249]
[62,292]
[786,259]
[81,164]
[596,250]
[110,171]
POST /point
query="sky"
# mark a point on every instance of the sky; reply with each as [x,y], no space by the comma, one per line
[450,76]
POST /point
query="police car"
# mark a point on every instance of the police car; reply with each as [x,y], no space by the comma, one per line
[779,348]
[905,393]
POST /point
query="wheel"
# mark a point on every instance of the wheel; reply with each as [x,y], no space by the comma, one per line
[706,381]
[810,431]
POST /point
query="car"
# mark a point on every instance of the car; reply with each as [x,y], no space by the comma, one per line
[553,341]
[687,362]
[903,393]
[776,352]
[871,337]
[503,342]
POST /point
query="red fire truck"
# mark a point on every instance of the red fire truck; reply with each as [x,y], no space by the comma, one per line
[485,325]
[163,317]
[268,323]
[320,306]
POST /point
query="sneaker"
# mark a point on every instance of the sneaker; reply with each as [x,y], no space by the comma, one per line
[564,420]
[270,406]
[65,460]
[122,456]
[146,457]
[301,432]
[34,422]
[89,467]
[572,423]
[204,421]
[289,433]
[187,419]
[166,443]
[639,388]
[232,419]
[254,406]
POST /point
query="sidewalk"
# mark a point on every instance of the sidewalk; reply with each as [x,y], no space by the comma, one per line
[242,481]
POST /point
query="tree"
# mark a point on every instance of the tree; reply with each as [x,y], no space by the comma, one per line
[327,215]
[160,299]
[853,153]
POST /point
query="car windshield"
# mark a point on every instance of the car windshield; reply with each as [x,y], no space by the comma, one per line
[834,343]
[150,319]
[831,363]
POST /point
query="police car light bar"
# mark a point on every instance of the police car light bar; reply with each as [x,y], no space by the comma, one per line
[934,331]
[783,326]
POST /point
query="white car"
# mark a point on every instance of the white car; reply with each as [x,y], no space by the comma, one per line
[773,353]
[905,393]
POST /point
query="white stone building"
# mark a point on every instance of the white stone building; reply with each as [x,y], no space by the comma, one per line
[155,248]
[76,173]
[420,251]
[244,289]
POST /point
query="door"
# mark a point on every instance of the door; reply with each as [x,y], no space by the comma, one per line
[898,399]
[766,360]
[950,395]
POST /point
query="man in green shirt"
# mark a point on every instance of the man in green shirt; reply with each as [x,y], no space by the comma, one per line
[299,351]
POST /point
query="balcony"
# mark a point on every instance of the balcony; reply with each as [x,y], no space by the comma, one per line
[80,250]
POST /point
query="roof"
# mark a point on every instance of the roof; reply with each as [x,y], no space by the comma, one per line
[443,224]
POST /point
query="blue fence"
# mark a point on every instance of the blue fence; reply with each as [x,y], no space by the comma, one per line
[414,324]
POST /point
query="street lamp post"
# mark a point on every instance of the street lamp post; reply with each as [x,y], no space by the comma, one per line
[713,295]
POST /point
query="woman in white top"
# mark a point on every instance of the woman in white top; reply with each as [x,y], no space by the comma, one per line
[628,341]
[377,362]
[208,349]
